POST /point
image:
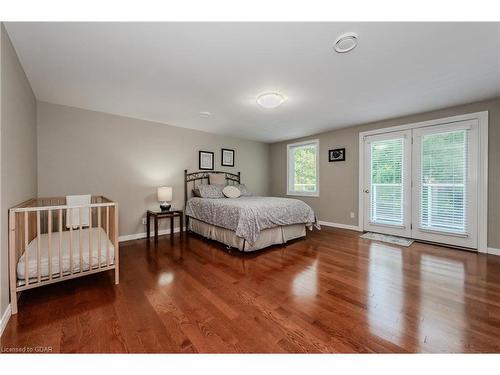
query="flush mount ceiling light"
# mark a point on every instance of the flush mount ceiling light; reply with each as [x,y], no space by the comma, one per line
[270,100]
[205,113]
[346,42]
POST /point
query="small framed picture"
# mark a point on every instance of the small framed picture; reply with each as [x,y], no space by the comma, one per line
[337,154]
[206,160]
[227,157]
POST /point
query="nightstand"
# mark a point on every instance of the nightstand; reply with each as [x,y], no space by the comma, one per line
[157,215]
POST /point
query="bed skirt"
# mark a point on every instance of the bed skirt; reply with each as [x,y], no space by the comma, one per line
[267,237]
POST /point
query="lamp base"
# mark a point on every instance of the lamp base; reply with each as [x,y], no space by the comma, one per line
[165,206]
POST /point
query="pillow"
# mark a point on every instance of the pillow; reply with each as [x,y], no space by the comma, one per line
[210,191]
[217,179]
[244,190]
[231,191]
[196,192]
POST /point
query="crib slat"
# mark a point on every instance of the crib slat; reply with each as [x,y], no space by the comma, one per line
[100,230]
[38,247]
[91,250]
[60,244]
[26,256]
[49,231]
[80,239]
[107,235]
[70,210]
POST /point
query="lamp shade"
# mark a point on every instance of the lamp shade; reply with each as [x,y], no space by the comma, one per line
[165,194]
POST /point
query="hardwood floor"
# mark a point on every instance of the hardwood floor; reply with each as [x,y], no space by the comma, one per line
[332,292]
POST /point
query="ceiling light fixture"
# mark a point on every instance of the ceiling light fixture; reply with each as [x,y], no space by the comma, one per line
[346,42]
[205,113]
[270,100]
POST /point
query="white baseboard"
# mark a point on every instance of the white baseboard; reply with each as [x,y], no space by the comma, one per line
[341,226]
[492,250]
[5,319]
[137,236]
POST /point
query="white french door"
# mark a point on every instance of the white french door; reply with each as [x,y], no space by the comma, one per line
[445,183]
[423,183]
[387,202]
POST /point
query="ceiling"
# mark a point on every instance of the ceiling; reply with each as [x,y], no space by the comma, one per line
[170,72]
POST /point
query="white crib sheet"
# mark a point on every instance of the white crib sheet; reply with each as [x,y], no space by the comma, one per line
[65,253]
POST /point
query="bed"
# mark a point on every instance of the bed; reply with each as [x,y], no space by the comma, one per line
[247,223]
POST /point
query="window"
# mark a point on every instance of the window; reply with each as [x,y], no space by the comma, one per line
[443,204]
[387,181]
[303,173]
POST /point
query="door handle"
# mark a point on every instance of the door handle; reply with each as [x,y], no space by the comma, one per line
[366,191]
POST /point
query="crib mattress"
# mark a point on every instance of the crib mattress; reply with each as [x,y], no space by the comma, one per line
[88,257]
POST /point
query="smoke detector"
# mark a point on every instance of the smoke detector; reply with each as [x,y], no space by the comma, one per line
[346,42]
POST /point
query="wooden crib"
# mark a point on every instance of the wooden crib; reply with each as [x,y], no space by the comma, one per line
[45,247]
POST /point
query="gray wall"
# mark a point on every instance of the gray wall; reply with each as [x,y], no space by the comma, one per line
[82,151]
[339,181]
[18,147]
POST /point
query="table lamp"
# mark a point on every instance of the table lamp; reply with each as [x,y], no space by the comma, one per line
[164,197]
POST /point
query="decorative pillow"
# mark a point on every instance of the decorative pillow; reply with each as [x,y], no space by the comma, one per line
[231,191]
[196,192]
[210,191]
[244,190]
[217,179]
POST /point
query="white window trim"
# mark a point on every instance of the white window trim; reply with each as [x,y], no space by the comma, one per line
[482,118]
[301,193]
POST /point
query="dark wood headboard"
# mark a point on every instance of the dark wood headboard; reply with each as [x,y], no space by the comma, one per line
[200,177]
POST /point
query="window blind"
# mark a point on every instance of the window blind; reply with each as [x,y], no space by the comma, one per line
[387,179]
[443,203]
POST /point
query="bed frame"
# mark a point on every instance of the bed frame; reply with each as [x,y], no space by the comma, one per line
[193,179]
[38,216]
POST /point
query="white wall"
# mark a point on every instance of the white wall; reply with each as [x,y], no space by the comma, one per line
[82,151]
[18,147]
[339,181]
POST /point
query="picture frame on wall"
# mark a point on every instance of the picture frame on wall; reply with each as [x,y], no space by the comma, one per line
[227,157]
[336,154]
[206,160]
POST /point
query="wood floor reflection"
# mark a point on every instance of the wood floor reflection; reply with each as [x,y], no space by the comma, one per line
[332,292]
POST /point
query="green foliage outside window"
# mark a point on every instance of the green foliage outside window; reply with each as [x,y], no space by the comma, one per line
[386,161]
[443,158]
[305,168]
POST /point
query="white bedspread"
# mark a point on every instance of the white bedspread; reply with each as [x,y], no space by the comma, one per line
[65,253]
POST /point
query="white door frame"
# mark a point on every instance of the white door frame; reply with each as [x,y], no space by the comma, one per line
[482,118]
